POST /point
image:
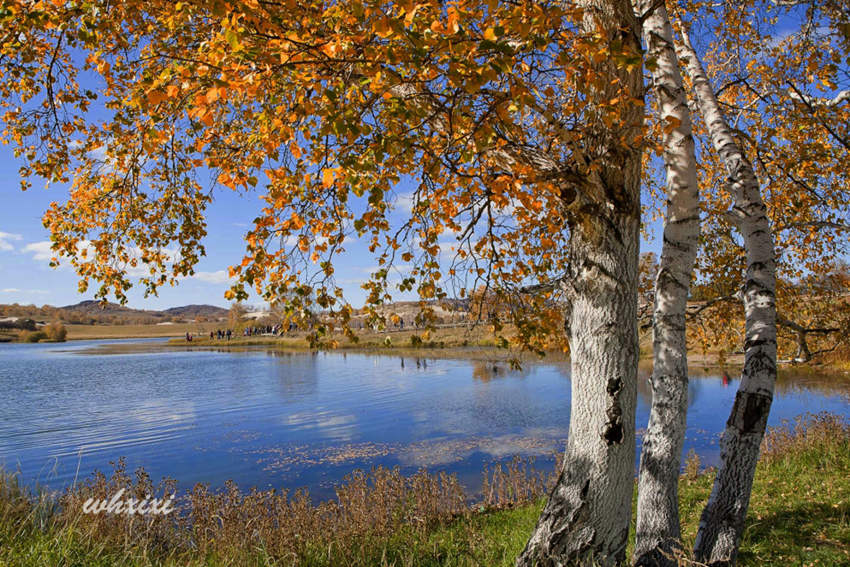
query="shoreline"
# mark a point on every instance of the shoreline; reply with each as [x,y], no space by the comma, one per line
[457,342]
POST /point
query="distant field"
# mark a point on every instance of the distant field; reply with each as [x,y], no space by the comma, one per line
[80,332]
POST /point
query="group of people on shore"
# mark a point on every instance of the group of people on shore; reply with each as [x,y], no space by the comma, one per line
[264,330]
[219,334]
[252,331]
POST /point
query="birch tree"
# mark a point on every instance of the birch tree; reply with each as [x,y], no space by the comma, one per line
[777,114]
[780,73]
[658,528]
[722,521]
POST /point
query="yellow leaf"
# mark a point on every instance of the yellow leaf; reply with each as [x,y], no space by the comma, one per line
[382,28]
[453,26]
[328,177]
[155,97]
[490,34]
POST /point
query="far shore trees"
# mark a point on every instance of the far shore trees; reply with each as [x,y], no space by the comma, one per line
[55,331]
[236,317]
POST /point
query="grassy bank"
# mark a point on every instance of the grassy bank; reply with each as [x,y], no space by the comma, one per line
[799,515]
[441,337]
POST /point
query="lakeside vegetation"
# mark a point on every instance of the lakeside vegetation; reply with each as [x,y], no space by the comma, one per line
[456,331]
[799,514]
[480,342]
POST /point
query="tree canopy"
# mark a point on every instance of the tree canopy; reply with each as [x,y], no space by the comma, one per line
[324,108]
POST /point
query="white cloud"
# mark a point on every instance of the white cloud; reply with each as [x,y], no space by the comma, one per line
[107,163]
[404,202]
[40,250]
[5,237]
[395,268]
[293,239]
[141,269]
[25,291]
[448,248]
[217,277]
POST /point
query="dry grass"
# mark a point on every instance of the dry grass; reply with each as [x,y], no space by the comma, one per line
[371,514]
[799,515]
[88,332]
[826,434]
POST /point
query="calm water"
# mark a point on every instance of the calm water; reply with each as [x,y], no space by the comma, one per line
[268,419]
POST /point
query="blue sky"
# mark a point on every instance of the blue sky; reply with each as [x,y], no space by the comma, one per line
[26,277]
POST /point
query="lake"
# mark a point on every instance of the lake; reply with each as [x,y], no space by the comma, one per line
[286,420]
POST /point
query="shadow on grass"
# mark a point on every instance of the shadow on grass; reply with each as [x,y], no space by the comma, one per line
[799,533]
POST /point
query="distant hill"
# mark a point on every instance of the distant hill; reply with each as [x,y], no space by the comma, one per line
[90,306]
[193,311]
[95,312]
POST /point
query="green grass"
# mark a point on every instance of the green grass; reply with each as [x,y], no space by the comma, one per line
[800,507]
[799,515]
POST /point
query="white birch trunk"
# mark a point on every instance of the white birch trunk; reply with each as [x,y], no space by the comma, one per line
[658,528]
[586,518]
[722,520]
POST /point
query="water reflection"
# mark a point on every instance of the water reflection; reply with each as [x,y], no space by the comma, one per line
[288,419]
[484,371]
[296,374]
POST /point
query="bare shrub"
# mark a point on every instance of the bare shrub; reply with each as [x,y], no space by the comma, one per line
[56,331]
[692,465]
[31,336]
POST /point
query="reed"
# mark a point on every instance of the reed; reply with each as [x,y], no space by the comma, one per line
[383,518]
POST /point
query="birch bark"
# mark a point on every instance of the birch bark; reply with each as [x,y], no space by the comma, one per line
[658,528]
[586,518]
[722,520]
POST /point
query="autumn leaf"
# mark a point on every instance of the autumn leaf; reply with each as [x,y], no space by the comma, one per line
[156,96]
